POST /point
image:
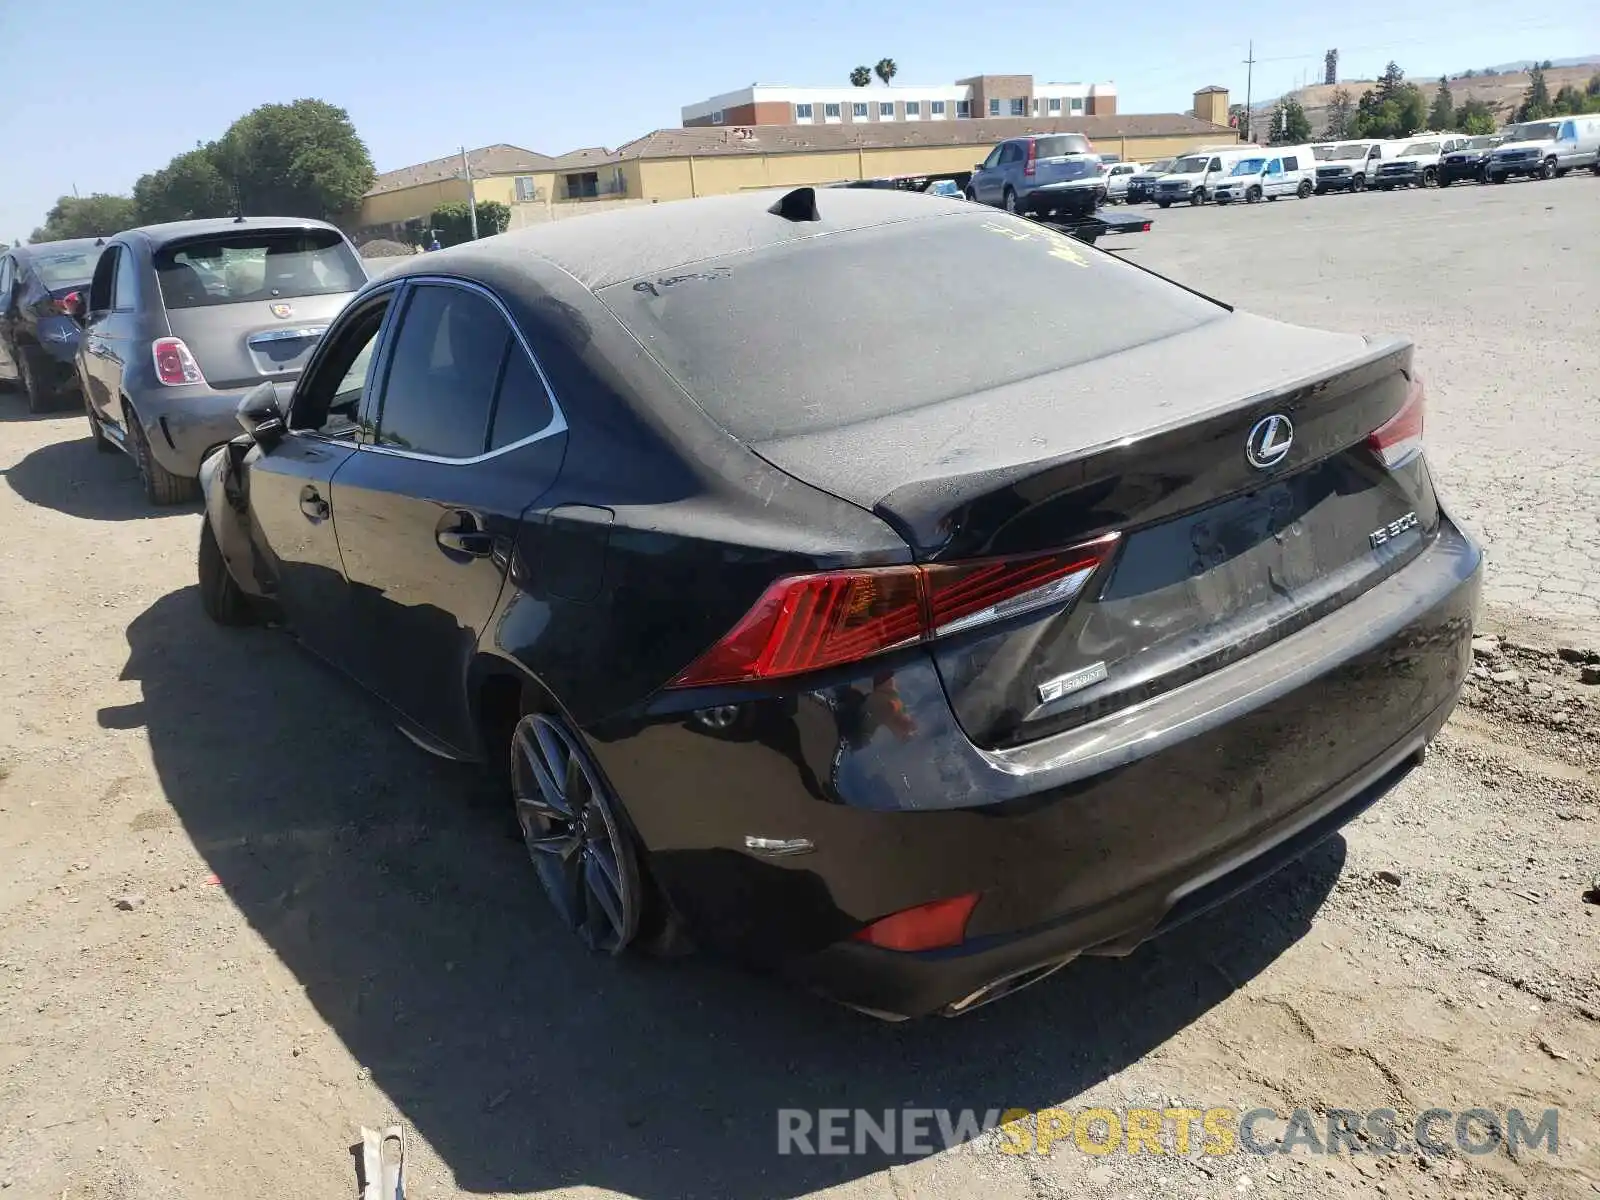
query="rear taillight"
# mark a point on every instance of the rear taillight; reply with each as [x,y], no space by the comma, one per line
[1399,439]
[931,926]
[1032,165]
[174,364]
[808,622]
[64,307]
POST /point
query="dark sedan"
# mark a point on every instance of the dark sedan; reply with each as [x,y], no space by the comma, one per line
[39,286]
[811,617]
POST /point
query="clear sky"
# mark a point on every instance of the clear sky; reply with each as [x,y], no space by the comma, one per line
[99,92]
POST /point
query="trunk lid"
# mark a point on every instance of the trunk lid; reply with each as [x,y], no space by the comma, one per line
[1218,557]
[239,345]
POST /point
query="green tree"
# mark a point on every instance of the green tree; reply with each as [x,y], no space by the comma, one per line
[189,186]
[297,160]
[1546,65]
[1568,100]
[97,215]
[1594,85]
[1290,126]
[1442,115]
[1399,114]
[860,77]
[1390,82]
[1340,116]
[886,70]
[453,221]
[1536,100]
[1475,117]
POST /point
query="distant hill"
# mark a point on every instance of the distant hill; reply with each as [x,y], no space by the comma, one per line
[1501,91]
[1527,64]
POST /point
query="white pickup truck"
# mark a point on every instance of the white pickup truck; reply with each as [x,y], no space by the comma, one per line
[1416,164]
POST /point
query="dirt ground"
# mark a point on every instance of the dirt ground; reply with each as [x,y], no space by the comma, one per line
[241,917]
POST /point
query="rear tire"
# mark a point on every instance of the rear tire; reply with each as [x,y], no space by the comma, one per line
[1164,203]
[220,595]
[96,434]
[161,486]
[34,368]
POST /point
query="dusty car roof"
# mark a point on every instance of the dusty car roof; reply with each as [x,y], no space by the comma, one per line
[625,244]
[172,231]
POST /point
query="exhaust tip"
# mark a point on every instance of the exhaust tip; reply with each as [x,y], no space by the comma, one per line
[999,989]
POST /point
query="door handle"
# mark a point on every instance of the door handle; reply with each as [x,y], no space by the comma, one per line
[312,504]
[462,533]
[472,542]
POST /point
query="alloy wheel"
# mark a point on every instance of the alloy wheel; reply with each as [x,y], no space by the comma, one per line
[574,833]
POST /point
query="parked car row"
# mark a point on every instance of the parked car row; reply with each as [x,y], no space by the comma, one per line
[163,329]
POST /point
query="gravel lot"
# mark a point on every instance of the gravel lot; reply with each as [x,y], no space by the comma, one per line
[322,928]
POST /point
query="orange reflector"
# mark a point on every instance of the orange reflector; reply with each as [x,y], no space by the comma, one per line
[930,926]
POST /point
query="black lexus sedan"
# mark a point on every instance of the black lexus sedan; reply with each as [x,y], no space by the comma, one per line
[910,647]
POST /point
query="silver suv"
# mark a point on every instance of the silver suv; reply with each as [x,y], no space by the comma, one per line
[1020,167]
[183,319]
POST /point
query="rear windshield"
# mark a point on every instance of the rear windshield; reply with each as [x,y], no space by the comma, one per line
[1061,145]
[257,265]
[848,327]
[67,268]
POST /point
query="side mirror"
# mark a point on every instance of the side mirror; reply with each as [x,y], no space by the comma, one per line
[260,414]
[977,166]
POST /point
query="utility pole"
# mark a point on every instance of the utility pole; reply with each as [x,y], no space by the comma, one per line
[1249,82]
[472,197]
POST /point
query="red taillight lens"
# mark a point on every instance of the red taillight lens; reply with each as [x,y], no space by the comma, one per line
[808,622]
[174,363]
[1032,164]
[64,306]
[929,926]
[1399,439]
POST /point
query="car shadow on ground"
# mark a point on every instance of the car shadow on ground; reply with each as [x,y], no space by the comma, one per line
[14,406]
[74,478]
[392,887]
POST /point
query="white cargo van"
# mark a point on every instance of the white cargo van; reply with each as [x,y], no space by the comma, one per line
[1545,149]
[1268,174]
[1416,164]
[1354,165]
[1193,176]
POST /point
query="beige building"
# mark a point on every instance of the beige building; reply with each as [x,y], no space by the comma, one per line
[676,164]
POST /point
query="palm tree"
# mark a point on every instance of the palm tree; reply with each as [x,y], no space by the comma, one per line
[860,77]
[885,70]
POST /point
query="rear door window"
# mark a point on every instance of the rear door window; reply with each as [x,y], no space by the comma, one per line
[124,286]
[256,265]
[448,352]
[1061,145]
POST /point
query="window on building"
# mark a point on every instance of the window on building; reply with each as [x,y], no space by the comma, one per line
[526,193]
[802,112]
[583,185]
[936,108]
[913,109]
[994,106]
[1036,106]
[716,116]
[1077,104]
[1055,106]
[1019,106]
[963,108]
[830,112]
[858,111]
[886,110]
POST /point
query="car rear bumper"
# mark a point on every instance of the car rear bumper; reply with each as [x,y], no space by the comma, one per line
[183,424]
[1087,842]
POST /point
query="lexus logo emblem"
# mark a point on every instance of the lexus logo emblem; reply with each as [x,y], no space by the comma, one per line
[1269,441]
